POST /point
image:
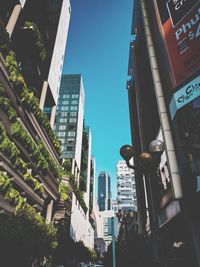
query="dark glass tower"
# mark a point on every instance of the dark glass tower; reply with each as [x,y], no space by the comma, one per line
[104,193]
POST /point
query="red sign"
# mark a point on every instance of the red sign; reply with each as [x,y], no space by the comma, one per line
[181,30]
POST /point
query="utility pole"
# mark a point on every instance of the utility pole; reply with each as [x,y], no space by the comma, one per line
[113,243]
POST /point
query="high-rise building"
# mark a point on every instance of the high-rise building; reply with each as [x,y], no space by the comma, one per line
[69,120]
[29,45]
[104,193]
[42,28]
[126,190]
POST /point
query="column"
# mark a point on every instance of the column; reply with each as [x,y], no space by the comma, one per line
[13,19]
[49,212]
[53,116]
[43,94]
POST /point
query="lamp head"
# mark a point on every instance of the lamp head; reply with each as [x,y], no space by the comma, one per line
[146,160]
[127,152]
[156,146]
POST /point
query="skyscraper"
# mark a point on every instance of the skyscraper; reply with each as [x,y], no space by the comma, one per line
[69,120]
[126,187]
[104,193]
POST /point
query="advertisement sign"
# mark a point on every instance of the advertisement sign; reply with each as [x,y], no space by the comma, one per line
[185,95]
[180,21]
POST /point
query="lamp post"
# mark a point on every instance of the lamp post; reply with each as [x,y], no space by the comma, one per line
[149,163]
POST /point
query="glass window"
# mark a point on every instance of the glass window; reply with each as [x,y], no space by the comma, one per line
[62,127]
[64,108]
[74,102]
[75,96]
[63,114]
[63,119]
[71,133]
[66,96]
[73,114]
[65,102]
[61,134]
[72,120]
[74,108]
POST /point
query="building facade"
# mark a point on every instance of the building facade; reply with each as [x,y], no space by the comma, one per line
[44,25]
[104,193]
[69,120]
[126,190]
[165,105]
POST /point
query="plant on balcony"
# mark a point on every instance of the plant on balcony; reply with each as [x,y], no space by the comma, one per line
[4,40]
[38,39]
[7,108]
[64,191]
[9,149]
[5,183]
[34,184]
[52,165]
[25,139]
[2,90]
[14,197]
[29,100]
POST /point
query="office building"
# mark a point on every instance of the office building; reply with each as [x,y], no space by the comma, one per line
[104,193]
[69,120]
[126,191]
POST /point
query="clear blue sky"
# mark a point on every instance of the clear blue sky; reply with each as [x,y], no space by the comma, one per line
[98,49]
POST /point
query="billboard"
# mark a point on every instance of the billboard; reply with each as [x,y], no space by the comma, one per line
[180,22]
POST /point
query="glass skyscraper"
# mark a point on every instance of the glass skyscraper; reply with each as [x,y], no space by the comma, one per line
[104,194]
[69,118]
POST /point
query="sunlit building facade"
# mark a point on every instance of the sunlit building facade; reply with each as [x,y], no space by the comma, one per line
[69,119]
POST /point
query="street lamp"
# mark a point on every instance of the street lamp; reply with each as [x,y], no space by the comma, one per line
[149,162]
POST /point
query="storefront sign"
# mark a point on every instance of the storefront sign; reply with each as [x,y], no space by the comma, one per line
[180,21]
[185,95]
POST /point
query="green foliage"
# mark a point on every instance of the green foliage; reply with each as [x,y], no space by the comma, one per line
[52,165]
[5,183]
[67,165]
[10,149]
[25,139]
[38,38]
[5,43]
[26,237]
[28,99]
[7,108]
[64,191]
[2,90]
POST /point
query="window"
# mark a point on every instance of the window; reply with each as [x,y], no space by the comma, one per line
[66,96]
[63,119]
[75,96]
[62,127]
[64,108]
[74,102]
[74,108]
[63,114]
[65,102]
[72,120]
[73,114]
[71,133]
[61,134]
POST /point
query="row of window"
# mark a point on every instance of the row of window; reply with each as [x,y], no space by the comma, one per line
[66,102]
[74,96]
[65,108]
[63,134]
[67,114]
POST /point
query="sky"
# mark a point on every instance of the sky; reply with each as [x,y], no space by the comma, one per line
[98,49]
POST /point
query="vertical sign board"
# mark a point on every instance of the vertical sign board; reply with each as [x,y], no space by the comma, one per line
[180,20]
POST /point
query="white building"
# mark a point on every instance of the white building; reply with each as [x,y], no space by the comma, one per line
[80,227]
[104,217]
[126,189]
